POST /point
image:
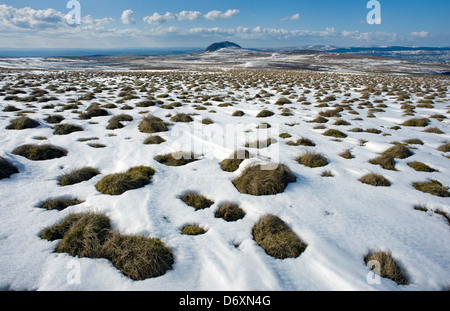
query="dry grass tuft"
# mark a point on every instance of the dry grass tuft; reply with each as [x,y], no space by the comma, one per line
[259,180]
[181,117]
[192,230]
[230,212]
[312,159]
[77,176]
[432,187]
[232,164]
[65,129]
[90,235]
[176,158]
[154,140]
[59,204]
[335,133]
[151,124]
[40,152]
[276,238]
[22,123]
[388,267]
[134,178]
[421,167]
[7,169]
[197,201]
[416,122]
[375,180]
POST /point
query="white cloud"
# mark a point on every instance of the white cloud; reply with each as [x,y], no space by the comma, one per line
[294,17]
[27,18]
[420,34]
[127,17]
[215,15]
[158,19]
[188,15]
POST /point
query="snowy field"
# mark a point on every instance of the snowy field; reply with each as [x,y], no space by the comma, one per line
[340,218]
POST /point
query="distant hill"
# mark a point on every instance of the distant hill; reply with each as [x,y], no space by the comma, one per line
[220,45]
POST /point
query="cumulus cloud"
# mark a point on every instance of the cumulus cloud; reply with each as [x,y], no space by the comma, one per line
[158,19]
[294,17]
[420,34]
[127,17]
[215,15]
[27,18]
[188,15]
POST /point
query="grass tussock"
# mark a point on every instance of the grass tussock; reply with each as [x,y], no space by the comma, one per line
[90,235]
[65,129]
[302,142]
[40,152]
[232,164]
[421,167]
[312,160]
[346,154]
[375,180]
[134,178]
[334,133]
[193,230]
[176,158]
[387,158]
[386,266]
[59,204]
[151,124]
[276,238]
[264,180]
[78,175]
[195,200]
[230,212]
[181,117]
[265,114]
[54,119]
[385,161]
[7,169]
[116,122]
[433,187]
[154,140]
[416,122]
[22,123]
[444,147]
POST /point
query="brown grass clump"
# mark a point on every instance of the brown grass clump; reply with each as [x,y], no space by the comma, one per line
[416,122]
[197,201]
[7,169]
[421,167]
[40,152]
[444,147]
[65,129]
[276,238]
[54,119]
[139,258]
[346,154]
[312,159]
[59,204]
[22,124]
[78,175]
[267,180]
[232,164]
[116,122]
[154,140]
[385,161]
[302,142]
[388,267]
[90,235]
[134,178]
[176,158]
[432,187]
[181,117]
[433,130]
[230,212]
[335,133]
[192,230]
[375,180]
[265,113]
[151,124]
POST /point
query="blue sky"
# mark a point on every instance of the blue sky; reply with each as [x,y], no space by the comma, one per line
[197,23]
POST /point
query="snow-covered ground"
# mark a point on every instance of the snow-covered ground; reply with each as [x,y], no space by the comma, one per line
[339,218]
